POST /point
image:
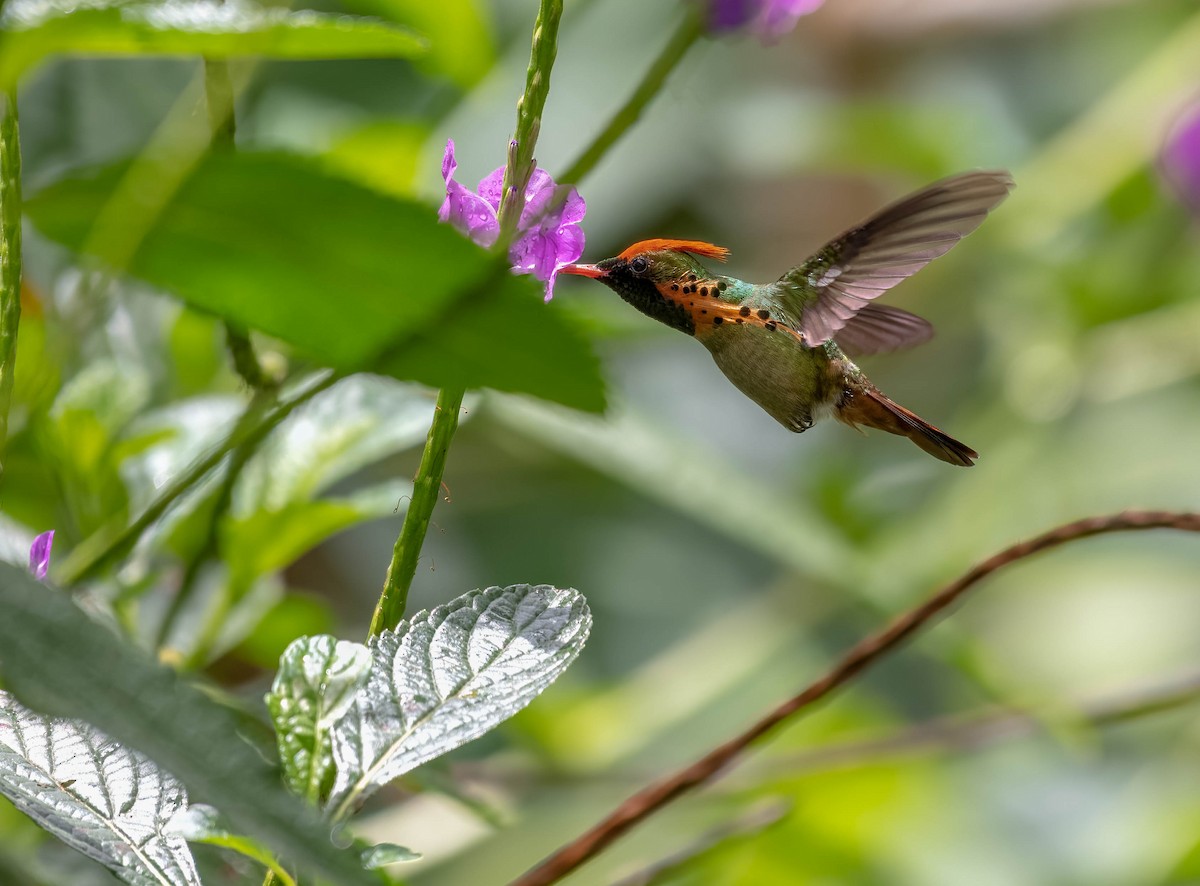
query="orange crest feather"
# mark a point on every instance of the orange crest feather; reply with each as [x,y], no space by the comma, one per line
[696,247]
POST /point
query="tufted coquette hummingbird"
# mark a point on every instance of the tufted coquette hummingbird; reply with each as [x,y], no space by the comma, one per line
[787,345]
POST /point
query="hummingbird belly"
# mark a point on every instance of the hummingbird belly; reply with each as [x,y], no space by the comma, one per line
[795,385]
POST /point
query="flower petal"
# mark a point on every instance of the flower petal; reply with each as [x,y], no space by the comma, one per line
[448,162]
[729,15]
[551,281]
[780,16]
[535,252]
[1181,158]
[573,209]
[492,186]
[39,554]
[470,214]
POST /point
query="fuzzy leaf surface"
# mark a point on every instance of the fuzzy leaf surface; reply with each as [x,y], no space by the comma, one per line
[449,675]
[110,802]
[316,683]
[55,658]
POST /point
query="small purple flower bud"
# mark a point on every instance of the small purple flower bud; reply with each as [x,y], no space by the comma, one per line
[39,554]
[1181,158]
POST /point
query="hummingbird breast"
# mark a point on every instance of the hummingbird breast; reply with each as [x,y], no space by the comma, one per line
[795,384]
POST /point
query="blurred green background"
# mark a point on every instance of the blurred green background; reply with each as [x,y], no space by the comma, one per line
[726,561]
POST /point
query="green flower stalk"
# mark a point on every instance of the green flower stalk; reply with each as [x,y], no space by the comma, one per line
[10,255]
[407,551]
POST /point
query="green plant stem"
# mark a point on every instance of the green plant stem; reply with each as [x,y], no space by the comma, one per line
[651,84]
[97,552]
[222,124]
[405,553]
[426,486]
[530,105]
[10,255]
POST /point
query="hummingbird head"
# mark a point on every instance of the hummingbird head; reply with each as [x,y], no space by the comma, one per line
[646,273]
[651,261]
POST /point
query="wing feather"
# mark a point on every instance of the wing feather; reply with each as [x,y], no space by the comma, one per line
[836,284]
[879,328]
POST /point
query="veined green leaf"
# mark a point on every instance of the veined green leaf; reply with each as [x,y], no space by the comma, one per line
[109,802]
[31,30]
[59,660]
[315,685]
[450,674]
[354,278]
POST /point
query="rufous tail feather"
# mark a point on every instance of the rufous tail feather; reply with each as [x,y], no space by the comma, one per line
[868,407]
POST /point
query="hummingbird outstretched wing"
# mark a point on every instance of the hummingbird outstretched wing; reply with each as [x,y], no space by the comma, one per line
[879,328]
[832,288]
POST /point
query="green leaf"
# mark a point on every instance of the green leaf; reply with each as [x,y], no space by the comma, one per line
[61,662]
[382,154]
[354,278]
[449,675]
[460,40]
[382,854]
[357,422]
[202,824]
[109,802]
[31,30]
[316,683]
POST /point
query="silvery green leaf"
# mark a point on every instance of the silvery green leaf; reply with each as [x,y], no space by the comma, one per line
[316,684]
[144,705]
[382,854]
[449,675]
[107,801]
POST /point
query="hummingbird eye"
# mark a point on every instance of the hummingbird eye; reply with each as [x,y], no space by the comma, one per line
[639,265]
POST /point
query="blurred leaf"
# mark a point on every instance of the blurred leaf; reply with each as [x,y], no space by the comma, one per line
[30,30]
[202,824]
[15,540]
[357,422]
[196,354]
[449,675]
[317,681]
[382,155]
[59,660]
[109,802]
[382,854]
[161,444]
[273,243]
[678,472]
[270,540]
[293,616]
[460,41]
[94,406]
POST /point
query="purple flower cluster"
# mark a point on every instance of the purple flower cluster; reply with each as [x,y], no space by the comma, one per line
[548,233]
[768,19]
[1181,159]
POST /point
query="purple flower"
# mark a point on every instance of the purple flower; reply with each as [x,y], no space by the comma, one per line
[39,554]
[548,235]
[1181,158]
[768,19]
